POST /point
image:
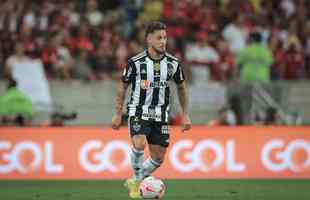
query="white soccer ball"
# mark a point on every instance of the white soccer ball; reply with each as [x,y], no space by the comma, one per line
[152,188]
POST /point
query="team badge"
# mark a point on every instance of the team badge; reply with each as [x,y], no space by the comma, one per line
[136,126]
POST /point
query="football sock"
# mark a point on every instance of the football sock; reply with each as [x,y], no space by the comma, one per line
[137,157]
[149,166]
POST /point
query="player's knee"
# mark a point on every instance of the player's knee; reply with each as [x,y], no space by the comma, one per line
[139,143]
[139,146]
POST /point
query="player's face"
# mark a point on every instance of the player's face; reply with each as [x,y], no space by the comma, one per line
[158,41]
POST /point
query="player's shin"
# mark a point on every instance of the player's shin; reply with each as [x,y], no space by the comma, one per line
[149,166]
[137,157]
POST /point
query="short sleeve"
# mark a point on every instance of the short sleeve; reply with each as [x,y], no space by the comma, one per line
[129,72]
[179,75]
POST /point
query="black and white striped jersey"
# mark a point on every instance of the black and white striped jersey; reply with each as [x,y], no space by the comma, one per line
[150,90]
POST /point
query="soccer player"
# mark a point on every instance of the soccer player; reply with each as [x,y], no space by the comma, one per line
[149,73]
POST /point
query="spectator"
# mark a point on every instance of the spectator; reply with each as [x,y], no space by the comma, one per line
[255,61]
[26,36]
[94,16]
[279,54]
[16,62]
[29,18]
[15,107]
[225,69]
[307,48]
[235,34]
[152,11]
[29,73]
[103,62]
[82,69]
[82,40]
[83,25]
[201,56]
[57,58]
[294,63]
[70,14]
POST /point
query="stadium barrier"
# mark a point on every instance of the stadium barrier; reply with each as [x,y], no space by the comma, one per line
[203,152]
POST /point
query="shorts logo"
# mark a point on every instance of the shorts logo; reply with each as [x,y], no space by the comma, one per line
[136,126]
[165,129]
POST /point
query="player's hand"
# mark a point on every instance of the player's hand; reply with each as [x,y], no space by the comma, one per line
[116,122]
[187,124]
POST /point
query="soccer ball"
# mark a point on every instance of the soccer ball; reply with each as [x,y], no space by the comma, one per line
[152,188]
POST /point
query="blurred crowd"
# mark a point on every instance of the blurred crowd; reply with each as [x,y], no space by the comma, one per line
[92,40]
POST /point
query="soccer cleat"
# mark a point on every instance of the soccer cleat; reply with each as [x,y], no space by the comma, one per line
[133,187]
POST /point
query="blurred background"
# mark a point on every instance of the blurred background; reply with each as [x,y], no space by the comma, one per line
[246,62]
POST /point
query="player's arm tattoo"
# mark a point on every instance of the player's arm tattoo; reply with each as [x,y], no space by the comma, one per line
[183,97]
[120,96]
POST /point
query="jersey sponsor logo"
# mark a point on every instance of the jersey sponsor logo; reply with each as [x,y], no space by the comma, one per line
[151,114]
[159,84]
[145,84]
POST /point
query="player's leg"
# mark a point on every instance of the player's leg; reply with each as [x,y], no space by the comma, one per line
[157,155]
[158,141]
[137,155]
[138,138]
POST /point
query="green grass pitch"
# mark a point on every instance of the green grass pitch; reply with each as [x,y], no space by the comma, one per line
[175,190]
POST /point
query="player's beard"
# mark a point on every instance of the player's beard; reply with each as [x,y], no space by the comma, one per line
[159,52]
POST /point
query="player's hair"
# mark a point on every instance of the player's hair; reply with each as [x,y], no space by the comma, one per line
[154,26]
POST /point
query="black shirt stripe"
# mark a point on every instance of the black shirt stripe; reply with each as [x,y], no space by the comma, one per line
[155,95]
[142,90]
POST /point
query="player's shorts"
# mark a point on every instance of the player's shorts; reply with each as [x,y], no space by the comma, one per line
[156,133]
